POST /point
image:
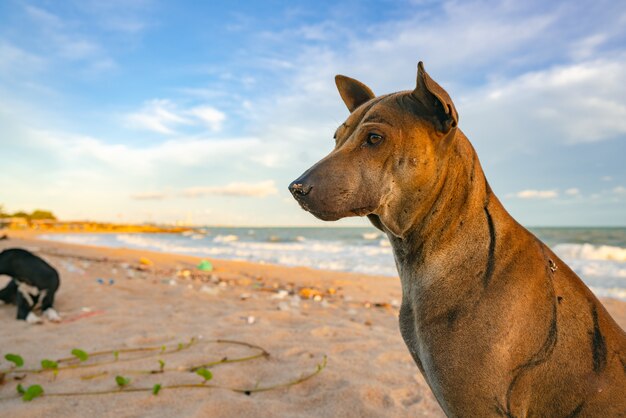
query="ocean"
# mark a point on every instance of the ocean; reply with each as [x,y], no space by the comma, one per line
[597,255]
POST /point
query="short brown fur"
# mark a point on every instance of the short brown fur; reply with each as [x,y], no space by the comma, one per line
[496,322]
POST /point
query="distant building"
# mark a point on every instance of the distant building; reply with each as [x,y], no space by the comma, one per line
[14,223]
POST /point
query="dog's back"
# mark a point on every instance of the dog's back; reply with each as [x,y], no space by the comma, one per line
[28,268]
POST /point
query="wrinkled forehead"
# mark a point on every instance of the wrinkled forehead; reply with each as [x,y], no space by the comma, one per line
[388,108]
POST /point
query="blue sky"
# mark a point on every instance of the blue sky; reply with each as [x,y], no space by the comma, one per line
[146,110]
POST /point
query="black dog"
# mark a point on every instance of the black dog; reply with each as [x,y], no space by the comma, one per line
[33,284]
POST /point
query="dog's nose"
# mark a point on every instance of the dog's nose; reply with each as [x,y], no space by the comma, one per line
[298,188]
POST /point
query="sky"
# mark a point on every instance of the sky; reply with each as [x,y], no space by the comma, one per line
[203,112]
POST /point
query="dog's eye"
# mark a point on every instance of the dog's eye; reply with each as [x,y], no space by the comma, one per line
[374,139]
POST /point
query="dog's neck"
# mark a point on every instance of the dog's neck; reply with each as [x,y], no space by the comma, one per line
[458,213]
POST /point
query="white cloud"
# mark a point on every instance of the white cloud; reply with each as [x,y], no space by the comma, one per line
[43,17]
[165,117]
[620,190]
[573,103]
[535,194]
[123,16]
[78,49]
[572,192]
[260,189]
[208,115]
[17,61]
[157,115]
[179,153]
[586,47]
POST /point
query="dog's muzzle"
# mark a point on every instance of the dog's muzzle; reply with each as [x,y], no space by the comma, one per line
[299,189]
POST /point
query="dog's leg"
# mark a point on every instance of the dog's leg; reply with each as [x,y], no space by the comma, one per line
[48,310]
[8,293]
[24,310]
[52,315]
[33,318]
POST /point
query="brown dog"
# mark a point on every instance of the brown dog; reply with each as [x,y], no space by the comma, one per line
[496,322]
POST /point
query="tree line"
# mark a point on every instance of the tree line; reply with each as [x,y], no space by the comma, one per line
[37,214]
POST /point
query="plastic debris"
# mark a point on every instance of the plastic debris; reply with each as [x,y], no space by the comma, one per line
[281,294]
[145,264]
[308,293]
[205,265]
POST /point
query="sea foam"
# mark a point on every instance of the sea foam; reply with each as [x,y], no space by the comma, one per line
[602,267]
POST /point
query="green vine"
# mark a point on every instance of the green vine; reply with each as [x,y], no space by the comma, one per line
[80,359]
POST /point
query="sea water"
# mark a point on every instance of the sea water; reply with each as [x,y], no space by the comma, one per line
[597,255]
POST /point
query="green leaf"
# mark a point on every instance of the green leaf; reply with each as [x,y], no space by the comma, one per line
[163,348]
[207,375]
[156,389]
[116,355]
[80,354]
[49,364]
[122,381]
[20,389]
[161,365]
[15,359]
[181,346]
[32,392]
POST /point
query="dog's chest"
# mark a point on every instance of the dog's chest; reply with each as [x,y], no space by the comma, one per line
[28,291]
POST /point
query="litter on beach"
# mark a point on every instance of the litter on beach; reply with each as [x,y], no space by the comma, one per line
[145,263]
[205,266]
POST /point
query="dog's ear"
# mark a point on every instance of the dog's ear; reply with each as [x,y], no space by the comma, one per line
[353,92]
[434,97]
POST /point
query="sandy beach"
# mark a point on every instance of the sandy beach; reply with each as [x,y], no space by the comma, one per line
[110,300]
